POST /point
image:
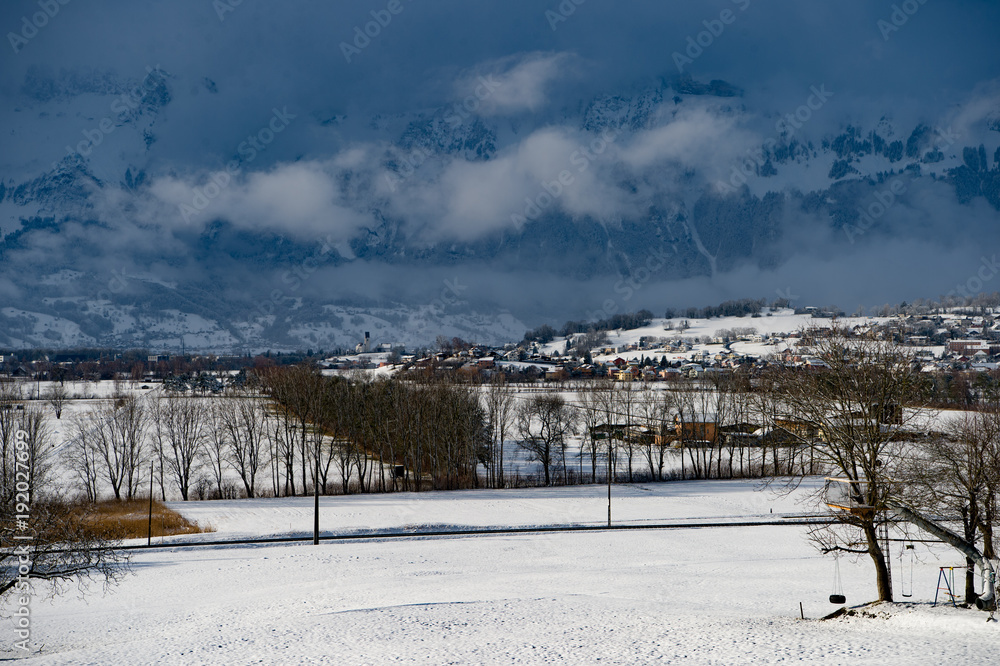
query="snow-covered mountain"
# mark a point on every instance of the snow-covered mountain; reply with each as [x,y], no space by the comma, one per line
[146,205]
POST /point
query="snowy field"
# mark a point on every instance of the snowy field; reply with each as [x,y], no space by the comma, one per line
[530,507]
[777,324]
[709,595]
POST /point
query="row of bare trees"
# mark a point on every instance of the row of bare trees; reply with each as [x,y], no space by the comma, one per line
[725,427]
[290,429]
[379,435]
[112,444]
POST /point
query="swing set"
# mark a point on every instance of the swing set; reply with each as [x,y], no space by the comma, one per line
[850,496]
[906,567]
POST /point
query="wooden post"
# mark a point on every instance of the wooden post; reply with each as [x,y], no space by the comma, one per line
[316,499]
[609,479]
[149,534]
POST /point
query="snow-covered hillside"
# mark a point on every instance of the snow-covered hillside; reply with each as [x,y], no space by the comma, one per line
[772,328]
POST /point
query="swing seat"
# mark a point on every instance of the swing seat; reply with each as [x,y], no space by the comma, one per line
[838,599]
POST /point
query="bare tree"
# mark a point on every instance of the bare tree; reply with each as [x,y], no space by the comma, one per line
[653,415]
[952,475]
[25,456]
[322,433]
[544,424]
[63,549]
[590,420]
[500,411]
[83,456]
[216,446]
[297,390]
[180,433]
[628,400]
[56,397]
[856,402]
[605,401]
[10,406]
[119,432]
[686,404]
[246,430]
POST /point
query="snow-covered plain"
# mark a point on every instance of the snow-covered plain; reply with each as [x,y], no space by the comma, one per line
[708,595]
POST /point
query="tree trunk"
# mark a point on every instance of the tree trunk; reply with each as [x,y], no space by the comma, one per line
[987,527]
[970,581]
[878,558]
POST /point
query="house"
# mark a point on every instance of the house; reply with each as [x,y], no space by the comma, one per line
[623,432]
[629,374]
[695,429]
[968,347]
[741,434]
[556,374]
[692,369]
[799,430]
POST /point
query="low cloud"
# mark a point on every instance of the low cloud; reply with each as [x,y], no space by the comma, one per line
[516,83]
[301,199]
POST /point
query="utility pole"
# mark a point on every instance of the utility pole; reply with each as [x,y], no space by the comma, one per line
[149,533]
[610,439]
[316,499]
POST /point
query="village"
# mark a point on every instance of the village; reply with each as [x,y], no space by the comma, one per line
[671,349]
[662,350]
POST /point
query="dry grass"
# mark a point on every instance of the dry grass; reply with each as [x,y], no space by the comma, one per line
[130,520]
